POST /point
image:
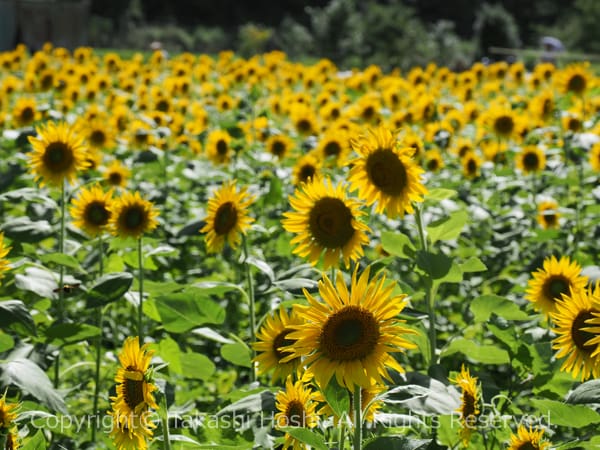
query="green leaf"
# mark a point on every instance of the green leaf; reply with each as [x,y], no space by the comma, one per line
[486,354]
[6,342]
[169,350]
[197,366]
[237,353]
[562,414]
[36,442]
[436,265]
[438,194]
[109,288]
[22,229]
[397,443]
[132,260]
[62,260]
[447,228]
[338,398]
[397,244]
[483,307]
[180,312]
[70,333]
[216,287]
[473,264]
[588,392]
[28,376]
[253,403]
[40,281]
[315,440]
[14,311]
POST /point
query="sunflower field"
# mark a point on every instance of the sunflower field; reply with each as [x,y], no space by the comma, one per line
[217,252]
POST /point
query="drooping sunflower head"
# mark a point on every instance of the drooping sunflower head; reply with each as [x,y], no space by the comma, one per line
[91,210]
[271,339]
[548,215]
[25,112]
[227,218]
[574,79]
[528,439]
[531,159]
[132,216]
[8,414]
[131,434]
[116,174]
[218,147]
[4,249]
[577,337]
[469,408]
[385,173]
[326,220]
[351,333]
[296,407]
[555,279]
[306,168]
[58,153]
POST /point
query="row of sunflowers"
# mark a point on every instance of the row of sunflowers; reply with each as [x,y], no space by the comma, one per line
[215,252]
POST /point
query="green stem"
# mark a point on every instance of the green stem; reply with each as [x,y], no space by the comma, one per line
[578,196]
[341,434]
[98,342]
[61,277]
[164,419]
[251,301]
[140,327]
[357,417]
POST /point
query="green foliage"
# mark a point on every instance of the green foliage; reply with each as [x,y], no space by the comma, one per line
[495,27]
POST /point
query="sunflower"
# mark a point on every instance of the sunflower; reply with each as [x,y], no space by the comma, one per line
[8,414]
[306,168]
[334,145]
[502,122]
[527,439]
[471,164]
[25,112]
[324,219]
[134,438]
[304,119]
[470,403]
[91,210]
[218,147]
[577,337]
[574,79]
[384,173]
[99,134]
[227,218]
[571,121]
[134,389]
[549,283]
[57,154]
[531,159]
[543,105]
[594,157]
[270,339]
[132,216]
[4,249]
[116,174]
[548,216]
[433,160]
[279,145]
[350,334]
[296,408]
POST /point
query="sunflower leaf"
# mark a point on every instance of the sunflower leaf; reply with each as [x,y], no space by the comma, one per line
[448,228]
[109,288]
[237,353]
[397,443]
[180,312]
[36,442]
[61,259]
[397,244]
[486,354]
[307,436]
[70,333]
[483,307]
[22,229]
[588,392]
[14,311]
[562,414]
[439,194]
[338,398]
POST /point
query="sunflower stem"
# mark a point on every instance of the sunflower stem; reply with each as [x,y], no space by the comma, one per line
[140,326]
[98,342]
[164,419]
[61,277]
[357,417]
[341,435]
[251,302]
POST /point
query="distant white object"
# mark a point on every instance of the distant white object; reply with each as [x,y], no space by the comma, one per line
[552,44]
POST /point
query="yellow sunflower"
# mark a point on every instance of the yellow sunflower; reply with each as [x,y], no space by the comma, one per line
[227,217]
[384,173]
[25,112]
[8,413]
[578,339]
[270,339]
[134,389]
[306,168]
[571,121]
[304,119]
[594,157]
[471,163]
[326,220]
[134,438]
[296,408]
[543,105]
[527,439]
[502,122]
[57,154]
[132,216]
[574,78]
[279,145]
[469,408]
[12,441]
[350,334]
[334,145]
[531,159]
[433,160]
[548,216]
[549,283]
[91,210]
[218,147]
[4,249]
[116,174]
[99,134]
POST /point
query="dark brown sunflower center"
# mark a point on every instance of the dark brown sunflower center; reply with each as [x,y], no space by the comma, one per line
[330,223]
[547,107]
[387,172]
[574,124]
[97,138]
[307,171]
[504,125]
[295,414]
[27,114]
[471,166]
[133,388]
[141,137]
[577,83]
[162,105]
[368,113]
[334,113]
[304,126]
[550,219]
[581,338]
[528,446]
[115,178]
[58,157]
[433,164]
[332,148]
[97,214]
[278,148]
[468,407]
[349,334]
[133,217]
[221,147]
[225,218]
[555,286]
[531,161]
[282,341]
[46,82]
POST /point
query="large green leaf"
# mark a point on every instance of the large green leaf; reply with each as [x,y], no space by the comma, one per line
[37,280]
[191,365]
[338,398]
[109,288]
[238,354]
[61,259]
[397,443]
[562,414]
[13,312]
[253,403]
[180,312]
[310,437]
[486,354]
[22,229]
[36,442]
[438,194]
[483,307]
[588,392]
[6,342]
[70,333]
[448,228]
[397,244]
